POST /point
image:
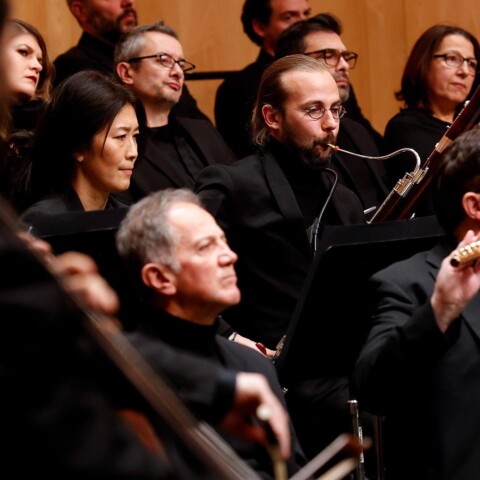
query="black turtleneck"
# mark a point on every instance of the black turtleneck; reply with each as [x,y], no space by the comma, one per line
[308,185]
[156,324]
[179,333]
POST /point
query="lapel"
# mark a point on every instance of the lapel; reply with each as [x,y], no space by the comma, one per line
[285,198]
[471,314]
[435,256]
[281,189]
[199,138]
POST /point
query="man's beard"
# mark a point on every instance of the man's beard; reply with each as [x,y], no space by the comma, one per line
[109,30]
[313,156]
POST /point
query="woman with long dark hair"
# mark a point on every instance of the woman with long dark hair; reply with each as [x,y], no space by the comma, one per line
[85,148]
[27,89]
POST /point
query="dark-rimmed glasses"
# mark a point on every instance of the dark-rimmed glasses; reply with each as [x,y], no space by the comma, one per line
[331,56]
[316,112]
[167,61]
[455,60]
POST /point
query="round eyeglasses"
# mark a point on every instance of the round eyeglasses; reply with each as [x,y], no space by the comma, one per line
[167,61]
[316,112]
[455,60]
[331,56]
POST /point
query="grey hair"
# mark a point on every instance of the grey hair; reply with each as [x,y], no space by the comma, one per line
[145,234]
[131,43]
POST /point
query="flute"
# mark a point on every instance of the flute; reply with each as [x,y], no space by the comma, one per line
[466,255]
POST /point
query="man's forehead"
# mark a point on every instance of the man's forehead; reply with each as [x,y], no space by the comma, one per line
[191,218]
[162,42]
[301,85]
[323,39]
[280,7]
[320,77]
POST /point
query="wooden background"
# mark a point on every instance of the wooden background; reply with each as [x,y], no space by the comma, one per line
[381,31]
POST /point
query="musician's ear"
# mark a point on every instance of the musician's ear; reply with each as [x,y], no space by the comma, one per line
[471,205]
[272,117]
[159,278]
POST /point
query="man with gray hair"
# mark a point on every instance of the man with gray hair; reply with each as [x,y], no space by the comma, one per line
[180,258]
[149,59]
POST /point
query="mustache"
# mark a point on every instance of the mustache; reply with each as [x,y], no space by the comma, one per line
[341,75]
[324,143]
[128,12]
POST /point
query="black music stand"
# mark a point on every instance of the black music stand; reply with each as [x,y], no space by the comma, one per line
[93,233]
[331,320]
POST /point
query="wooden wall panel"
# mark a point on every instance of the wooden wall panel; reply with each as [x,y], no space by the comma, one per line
[381,31]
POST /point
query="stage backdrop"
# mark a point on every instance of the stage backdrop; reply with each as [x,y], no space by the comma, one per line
[381,31]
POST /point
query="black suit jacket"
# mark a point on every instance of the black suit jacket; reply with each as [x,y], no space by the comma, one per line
[424,382]
[158,326]
[254,203]
[152,173]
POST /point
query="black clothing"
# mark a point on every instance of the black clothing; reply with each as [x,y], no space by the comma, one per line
[60,202]
[354,112]
[413,129]
[157,325]
[58,393]
[257,205]
[14,161]
[260,202]
[92,53]
[421,380]
[234,104]
[174,155]
[25,116]
[366,178]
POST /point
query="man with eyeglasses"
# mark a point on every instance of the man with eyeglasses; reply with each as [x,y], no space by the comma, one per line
[149,59]
[267,203]
[319,38]
[102,23]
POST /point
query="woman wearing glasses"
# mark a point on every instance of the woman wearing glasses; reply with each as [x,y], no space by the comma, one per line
[85,148]
[437,79]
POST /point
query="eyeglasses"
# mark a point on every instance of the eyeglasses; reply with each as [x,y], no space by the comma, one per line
[331,56]
[167,61]
[316,112]
[456,60]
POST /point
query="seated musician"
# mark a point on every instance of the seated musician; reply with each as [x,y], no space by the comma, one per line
[185,269]
[84,149]
[419,367]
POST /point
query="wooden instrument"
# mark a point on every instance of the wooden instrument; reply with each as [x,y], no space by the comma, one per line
[464,256]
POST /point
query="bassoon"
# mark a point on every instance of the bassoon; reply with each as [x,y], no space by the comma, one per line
[402,201]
